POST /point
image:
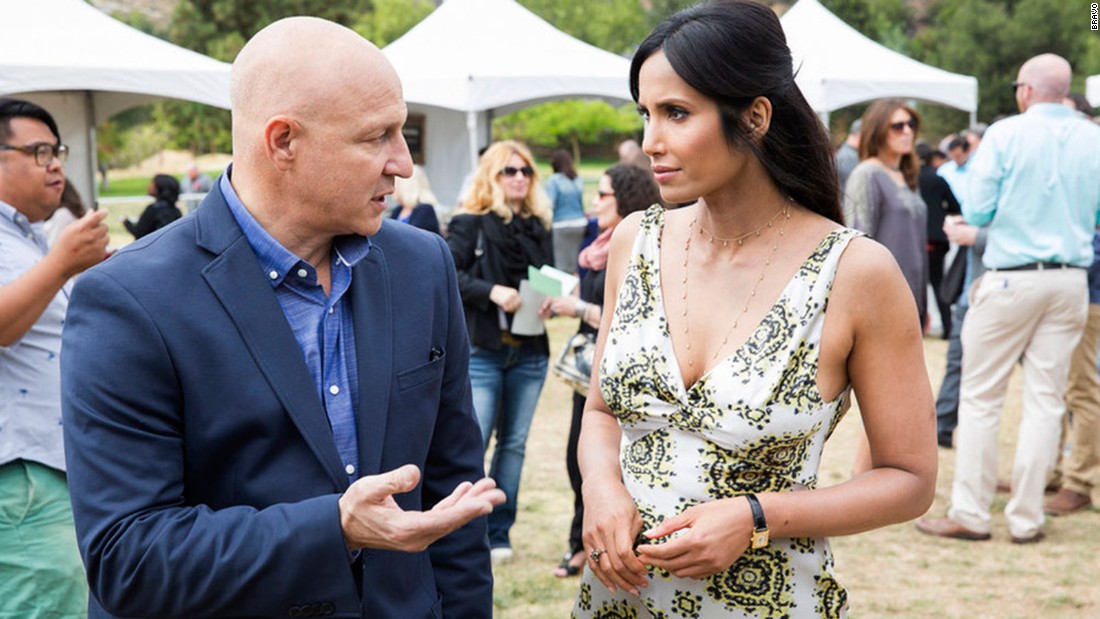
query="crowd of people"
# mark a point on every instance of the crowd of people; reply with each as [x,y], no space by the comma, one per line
[307,434]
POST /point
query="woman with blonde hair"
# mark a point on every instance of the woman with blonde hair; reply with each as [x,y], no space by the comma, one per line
[502,228]
[415,201]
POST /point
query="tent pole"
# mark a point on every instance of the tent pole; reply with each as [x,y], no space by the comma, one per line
[471,136]
[89,114]
[973,117]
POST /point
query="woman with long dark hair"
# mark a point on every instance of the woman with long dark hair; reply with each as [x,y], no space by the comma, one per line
[733,332]
[566,192]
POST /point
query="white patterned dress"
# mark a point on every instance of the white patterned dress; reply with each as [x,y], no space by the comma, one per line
[753,423]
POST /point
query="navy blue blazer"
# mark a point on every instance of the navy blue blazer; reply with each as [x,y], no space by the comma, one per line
[203,472]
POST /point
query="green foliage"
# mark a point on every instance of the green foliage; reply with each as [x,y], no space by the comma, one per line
[390,19]
[614,25]
[660,9]
[569,123]
[120,148]
[219,28]
[889,22]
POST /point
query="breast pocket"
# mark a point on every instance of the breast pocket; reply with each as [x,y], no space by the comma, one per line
[424,376]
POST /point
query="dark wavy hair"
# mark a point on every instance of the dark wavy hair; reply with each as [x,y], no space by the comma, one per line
[635,189]
[733,51]
[167,188]
[876,128]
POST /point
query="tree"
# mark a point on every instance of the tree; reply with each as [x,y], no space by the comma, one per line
[390,19]
[219,29]
[572,122]
[616,25]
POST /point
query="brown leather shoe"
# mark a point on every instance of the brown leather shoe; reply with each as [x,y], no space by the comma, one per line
[946,527]
[1067,502]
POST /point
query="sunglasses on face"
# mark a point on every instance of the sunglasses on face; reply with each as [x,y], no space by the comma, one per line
[526,170]
[1016,86]
[899,127]
[604,194]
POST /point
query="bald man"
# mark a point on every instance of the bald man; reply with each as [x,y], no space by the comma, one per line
[1033,183]
[267,409]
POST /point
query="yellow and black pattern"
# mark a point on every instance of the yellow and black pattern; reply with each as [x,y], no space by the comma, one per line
[640,378]
[755,422]
[832,599]
[651,460]
[758,582]
[634,303]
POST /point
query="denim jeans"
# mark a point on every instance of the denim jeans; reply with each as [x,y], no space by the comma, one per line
[947,403]
[506,385]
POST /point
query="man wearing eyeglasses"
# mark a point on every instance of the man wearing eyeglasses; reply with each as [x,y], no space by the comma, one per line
[40,570]
[1034,184]
[267,404]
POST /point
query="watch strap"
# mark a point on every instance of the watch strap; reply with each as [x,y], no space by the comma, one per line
[760,524]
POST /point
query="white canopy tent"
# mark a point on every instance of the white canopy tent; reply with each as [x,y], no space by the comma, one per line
[85,66]
[1092,90]
[837,66]
[471,59]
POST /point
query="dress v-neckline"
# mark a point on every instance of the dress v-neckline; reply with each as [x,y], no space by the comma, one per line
[659,291]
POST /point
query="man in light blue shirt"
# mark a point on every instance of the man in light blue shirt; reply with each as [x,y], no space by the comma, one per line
[955,168]
[1034,184]
[40,570]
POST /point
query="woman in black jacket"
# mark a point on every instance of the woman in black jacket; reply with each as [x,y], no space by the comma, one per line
[166,190]
[502,228]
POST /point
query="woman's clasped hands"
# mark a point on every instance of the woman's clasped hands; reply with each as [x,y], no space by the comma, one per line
[705,539]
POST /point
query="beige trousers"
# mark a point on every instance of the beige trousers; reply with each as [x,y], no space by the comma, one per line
[1080,467]
[1035,318]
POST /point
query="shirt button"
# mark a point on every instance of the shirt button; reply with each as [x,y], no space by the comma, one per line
[302,272]
[331,309]
[273,275]
[349,469]
[334,390]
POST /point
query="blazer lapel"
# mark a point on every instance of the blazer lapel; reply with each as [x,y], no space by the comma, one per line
[235,278]
[373,312]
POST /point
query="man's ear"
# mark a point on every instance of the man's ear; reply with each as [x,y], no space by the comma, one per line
[280,139]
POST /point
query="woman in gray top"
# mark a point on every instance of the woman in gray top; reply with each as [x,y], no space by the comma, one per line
[881,197]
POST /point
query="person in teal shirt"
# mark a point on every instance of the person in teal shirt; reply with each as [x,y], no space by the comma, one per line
[1033,183]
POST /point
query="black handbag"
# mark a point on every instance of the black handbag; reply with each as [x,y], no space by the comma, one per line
[952,283]
[574,363]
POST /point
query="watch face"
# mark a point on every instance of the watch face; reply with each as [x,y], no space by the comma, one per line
[759,539]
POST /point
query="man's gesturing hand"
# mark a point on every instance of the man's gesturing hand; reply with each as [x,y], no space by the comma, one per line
[372,519]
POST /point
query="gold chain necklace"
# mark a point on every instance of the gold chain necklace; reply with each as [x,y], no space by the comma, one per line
[740,240]
[785,211]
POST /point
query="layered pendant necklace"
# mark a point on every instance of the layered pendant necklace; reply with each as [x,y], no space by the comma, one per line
[783,211]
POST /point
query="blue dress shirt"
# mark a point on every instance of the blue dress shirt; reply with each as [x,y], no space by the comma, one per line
[30,375]
[1034,181]
[322,325]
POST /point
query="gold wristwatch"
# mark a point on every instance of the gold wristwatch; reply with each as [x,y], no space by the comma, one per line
[760,525]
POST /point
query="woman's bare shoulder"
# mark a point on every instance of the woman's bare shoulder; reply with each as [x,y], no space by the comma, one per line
[869,277]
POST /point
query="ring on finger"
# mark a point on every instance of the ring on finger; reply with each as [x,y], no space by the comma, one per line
[595,554]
